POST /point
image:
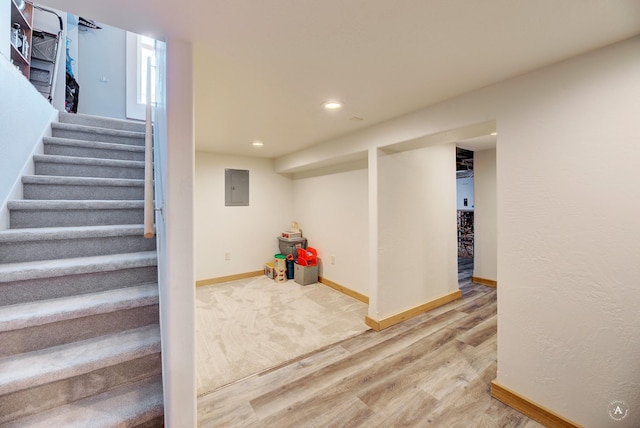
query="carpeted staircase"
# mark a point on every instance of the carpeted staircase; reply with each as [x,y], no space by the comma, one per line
[79,333]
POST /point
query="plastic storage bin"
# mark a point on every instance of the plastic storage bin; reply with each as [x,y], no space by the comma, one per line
[291,245]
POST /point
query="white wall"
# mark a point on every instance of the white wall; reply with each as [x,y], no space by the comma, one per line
[464,189]
[417,251]
[485,264]
[332,211]
[175,143]
[5,21]
[568,243]
[101,71]
[25,117]
[248,233]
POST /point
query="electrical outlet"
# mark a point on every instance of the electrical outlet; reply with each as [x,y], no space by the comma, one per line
[227,256]
[333,260]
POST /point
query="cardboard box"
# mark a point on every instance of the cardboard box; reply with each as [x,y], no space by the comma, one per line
[269,270]
[305,275]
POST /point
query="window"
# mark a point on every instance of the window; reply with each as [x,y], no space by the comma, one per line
[139,50]
[146,51]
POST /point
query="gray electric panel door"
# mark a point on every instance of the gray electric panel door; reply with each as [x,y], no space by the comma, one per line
[236,182]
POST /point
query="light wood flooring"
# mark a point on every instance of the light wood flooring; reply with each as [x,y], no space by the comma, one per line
[432,370]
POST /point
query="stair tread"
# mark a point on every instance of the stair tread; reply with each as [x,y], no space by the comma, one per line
[79,291]
[42,312]
[37,204]
[82,181]
[65,117]
[10,272]
[75,160]
[96,130]
[47,365]
[129,405]
[92,144]
[71,232]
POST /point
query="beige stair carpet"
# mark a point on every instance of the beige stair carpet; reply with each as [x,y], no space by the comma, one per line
[247,326]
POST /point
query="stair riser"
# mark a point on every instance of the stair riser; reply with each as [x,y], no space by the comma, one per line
[73,170]
[28,251]
[63,332]
[19,219]
[94,136]
[101,122]
[34,400]
[71,192]
[15,292]
[88,152]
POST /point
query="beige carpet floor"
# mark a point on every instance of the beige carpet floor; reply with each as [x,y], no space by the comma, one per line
[247,326]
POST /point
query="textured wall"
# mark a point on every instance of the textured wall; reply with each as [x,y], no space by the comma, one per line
[568,242]
[568,237]
[485,264]
[248,233]
[332,211]
[417,245]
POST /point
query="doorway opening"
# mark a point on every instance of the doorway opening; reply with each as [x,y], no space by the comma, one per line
[476,207]
[465,211]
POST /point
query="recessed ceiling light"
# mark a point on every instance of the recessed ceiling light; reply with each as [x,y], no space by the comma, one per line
[257,143]
[494,133]
[332,105]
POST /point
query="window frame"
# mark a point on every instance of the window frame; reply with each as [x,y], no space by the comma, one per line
[135,108]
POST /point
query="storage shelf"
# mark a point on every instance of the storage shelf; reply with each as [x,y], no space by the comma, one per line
[15,52]
[25,19]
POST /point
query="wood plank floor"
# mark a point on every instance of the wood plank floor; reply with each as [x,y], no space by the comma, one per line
[432,370]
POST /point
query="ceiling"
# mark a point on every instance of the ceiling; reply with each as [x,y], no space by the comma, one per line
[263,69]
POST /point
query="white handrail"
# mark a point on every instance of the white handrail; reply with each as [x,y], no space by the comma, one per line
[149,212]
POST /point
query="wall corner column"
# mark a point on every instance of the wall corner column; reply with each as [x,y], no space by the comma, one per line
[373,233]
[176,271]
